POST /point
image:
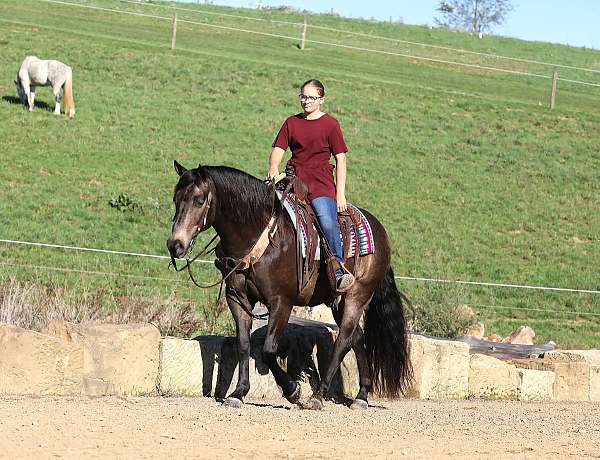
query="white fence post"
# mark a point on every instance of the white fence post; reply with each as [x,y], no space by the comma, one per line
[174,32]
[553,94]
[303,37]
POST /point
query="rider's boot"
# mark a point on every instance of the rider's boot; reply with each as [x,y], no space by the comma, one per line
[343,279]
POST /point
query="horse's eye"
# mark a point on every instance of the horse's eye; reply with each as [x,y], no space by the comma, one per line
[198,201]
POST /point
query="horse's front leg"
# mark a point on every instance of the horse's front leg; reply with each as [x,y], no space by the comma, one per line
[243,324]
[29,94]
[31,98]
[279,314]
[354,305]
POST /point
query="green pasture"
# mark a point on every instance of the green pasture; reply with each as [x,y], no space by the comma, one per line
[473,176]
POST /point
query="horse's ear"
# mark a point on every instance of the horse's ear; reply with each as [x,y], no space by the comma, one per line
[178,168]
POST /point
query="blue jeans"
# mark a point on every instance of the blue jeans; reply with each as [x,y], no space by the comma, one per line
[326,211]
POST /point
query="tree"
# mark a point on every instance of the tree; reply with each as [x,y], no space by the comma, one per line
[474,15]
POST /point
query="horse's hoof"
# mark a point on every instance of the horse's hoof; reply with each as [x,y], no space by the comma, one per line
[234,403]
[359,404]
[313,404]
[295,396]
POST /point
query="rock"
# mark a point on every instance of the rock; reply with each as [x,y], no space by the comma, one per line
[523,335]
[591,357]
[318,313]
[37,364]
[441,368]
[180,371]
[572,378]
[118,359]
[594,383]
[535,385]
[491,378]
[476,330]
[465,312]
[493,338]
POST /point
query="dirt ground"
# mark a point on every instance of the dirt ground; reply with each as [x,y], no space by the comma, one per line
[202,428]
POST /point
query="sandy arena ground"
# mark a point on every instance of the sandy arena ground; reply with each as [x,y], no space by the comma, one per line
[201,428]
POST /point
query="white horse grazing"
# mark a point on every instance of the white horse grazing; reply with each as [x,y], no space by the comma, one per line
[35,72]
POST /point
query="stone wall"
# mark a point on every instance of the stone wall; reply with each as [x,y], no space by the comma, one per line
[69,359]
[101,359]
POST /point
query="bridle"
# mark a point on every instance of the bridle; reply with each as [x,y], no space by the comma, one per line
[205,251]
[258,248]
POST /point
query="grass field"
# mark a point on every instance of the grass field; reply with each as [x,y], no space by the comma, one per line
[471,173]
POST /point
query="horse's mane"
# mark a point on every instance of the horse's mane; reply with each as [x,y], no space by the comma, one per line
[242,197]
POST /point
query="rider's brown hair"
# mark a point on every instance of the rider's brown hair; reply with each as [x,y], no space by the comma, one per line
[315,83]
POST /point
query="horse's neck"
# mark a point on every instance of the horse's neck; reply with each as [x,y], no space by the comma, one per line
[237,238]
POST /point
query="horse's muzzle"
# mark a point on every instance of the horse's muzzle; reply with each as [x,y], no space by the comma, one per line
[176,247]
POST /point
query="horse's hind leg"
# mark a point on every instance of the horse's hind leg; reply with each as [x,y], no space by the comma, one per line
[364,374]
[243,323]
[353,307]
[57,98]
[279,314]
[360,351]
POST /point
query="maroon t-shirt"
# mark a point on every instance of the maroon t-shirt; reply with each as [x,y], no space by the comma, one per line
[312,143]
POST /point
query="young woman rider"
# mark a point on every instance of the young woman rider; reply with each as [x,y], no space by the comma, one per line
[313,137]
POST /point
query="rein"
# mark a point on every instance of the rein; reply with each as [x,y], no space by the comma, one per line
[188,263]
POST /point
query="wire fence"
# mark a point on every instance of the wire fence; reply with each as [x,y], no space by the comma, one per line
[205,294]
[161,257]
[370,36]
[365,46]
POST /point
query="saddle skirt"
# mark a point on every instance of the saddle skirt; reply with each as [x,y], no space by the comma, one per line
[355,230]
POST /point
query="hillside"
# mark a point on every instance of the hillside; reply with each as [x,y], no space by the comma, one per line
[471,173]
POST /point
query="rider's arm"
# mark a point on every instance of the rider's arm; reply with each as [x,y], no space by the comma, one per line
[340,181]
[274,161]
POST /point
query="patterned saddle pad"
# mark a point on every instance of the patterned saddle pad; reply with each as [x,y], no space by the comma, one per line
[360,235]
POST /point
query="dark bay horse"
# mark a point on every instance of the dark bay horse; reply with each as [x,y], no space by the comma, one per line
[246,213]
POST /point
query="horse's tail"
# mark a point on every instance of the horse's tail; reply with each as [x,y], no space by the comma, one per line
[386,339]
[68,94]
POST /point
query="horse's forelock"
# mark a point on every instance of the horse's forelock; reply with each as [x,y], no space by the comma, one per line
[191,177]
[188,178]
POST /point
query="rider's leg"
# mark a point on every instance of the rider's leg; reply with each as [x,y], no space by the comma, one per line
[326,210]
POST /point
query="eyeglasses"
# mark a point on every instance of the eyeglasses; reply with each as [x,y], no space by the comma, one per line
[309,98]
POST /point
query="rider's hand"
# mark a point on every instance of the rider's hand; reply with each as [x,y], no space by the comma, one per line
[272,174]
[341,203]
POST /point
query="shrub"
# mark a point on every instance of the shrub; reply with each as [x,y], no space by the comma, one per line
[439,311]
[33,306]
[124,202]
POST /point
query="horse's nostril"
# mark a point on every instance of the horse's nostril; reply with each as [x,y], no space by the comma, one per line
[175,247]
